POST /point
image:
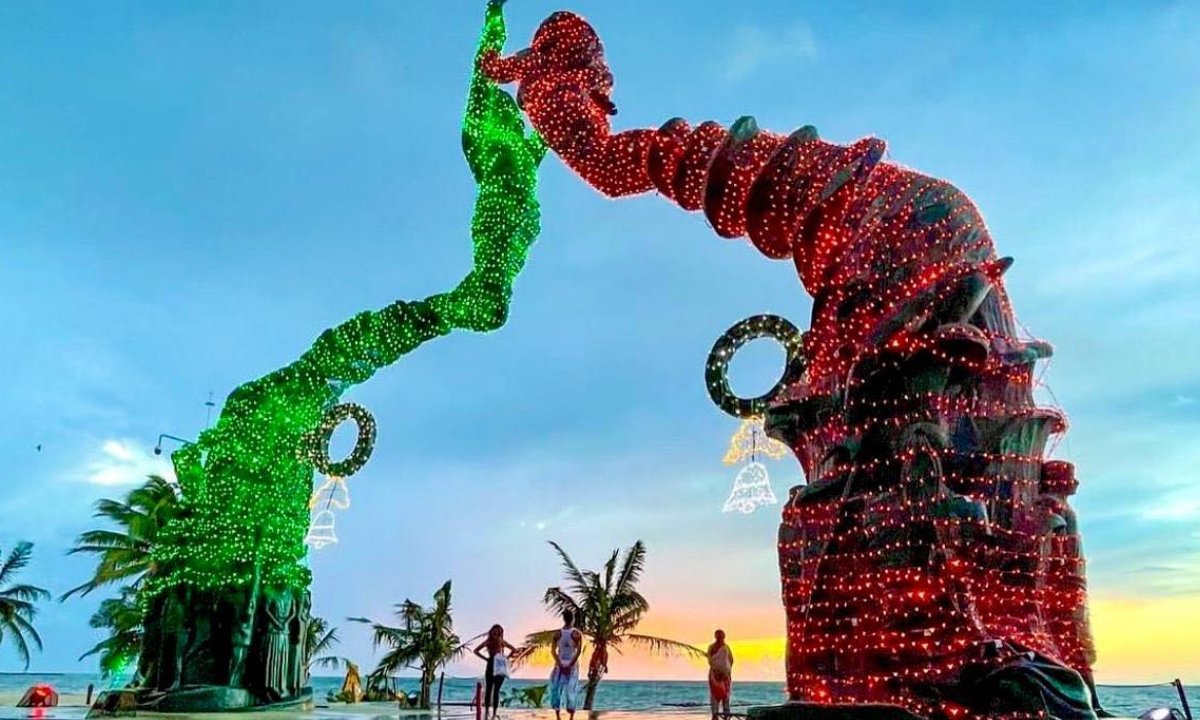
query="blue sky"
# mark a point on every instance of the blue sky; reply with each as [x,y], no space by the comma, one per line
[190,193]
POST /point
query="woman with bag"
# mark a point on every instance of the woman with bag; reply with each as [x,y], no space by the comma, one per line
[497,667]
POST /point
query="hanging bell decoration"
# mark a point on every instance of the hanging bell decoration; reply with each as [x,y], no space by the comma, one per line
[750,440]
[332,495]
[321,530]
[751,489]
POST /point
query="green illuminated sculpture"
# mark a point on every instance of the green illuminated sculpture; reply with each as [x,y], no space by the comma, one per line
[231,588]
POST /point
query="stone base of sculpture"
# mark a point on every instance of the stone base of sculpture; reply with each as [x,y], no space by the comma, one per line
[194,699]
[222,650]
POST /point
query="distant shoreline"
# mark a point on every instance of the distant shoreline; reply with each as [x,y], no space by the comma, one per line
[539,678]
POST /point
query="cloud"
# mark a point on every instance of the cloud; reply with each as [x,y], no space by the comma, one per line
[125,462]
[1141,237]
[556,519]
[1182,505]
[754,47]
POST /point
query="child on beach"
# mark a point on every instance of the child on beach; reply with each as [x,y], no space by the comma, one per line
[564,679]
[720,674]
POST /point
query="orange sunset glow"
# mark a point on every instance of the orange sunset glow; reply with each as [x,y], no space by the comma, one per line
[1143,640]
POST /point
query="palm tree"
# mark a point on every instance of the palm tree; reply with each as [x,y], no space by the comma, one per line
[124,556]
[124,553]
[424,640]
[607,608]
[17,603]
[321,638]
[122,617]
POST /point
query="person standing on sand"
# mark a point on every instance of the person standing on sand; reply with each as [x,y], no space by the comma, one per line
[564,679]
[720,674]
[497,667]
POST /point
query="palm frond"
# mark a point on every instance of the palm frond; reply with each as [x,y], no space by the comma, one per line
[9,626]
[559,602]
[535,645]
[13,606]
[325,642]
[17,559]
[17,608]
[465,646]
[331,662]
[626,611]
[573,573]
[109,574]
[83,589]
[114,649]
[124,552]
[121,616]
[96,541]
[631,568]
[398,658]
[22,621]
[441,598]
[663,646]
[97,648]
[610,567]
[25,593]
[116,510]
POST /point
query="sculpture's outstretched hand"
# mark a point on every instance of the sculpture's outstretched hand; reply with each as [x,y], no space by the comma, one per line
[504,159]
[495,141]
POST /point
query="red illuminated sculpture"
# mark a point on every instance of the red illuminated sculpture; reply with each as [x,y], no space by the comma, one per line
[932,561]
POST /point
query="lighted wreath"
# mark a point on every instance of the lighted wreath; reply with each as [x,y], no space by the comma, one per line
[318,441]
[752,328]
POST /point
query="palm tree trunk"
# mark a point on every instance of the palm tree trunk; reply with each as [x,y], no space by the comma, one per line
[589,696]
[426,686]
[596,669]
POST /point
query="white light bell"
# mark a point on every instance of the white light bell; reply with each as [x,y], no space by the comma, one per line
[751,489]
[321,530]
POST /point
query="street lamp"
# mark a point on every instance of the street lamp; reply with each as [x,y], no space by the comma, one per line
[158,445]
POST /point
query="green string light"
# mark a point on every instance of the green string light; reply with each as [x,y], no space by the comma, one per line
[246,482]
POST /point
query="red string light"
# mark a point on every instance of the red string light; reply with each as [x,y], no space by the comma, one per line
[932,526]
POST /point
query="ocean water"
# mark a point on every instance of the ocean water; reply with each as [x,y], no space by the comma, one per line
[632,695]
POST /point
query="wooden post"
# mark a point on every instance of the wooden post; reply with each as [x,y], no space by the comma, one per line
[1187,709]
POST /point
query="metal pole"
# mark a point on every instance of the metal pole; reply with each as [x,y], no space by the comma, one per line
[1187,709]
[164,436]
[441,681]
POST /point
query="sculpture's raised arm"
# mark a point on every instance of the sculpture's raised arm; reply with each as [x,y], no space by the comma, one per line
[246,482]
[908,402]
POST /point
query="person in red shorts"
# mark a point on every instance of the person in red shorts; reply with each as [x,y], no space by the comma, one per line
[720,674]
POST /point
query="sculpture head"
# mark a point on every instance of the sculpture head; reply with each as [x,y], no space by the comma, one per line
[563,43]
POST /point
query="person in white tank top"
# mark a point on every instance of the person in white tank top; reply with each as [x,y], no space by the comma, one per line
[564,678]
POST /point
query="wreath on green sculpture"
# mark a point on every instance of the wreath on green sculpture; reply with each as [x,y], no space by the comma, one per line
[752,328]
[318,441]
